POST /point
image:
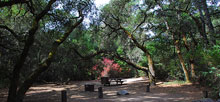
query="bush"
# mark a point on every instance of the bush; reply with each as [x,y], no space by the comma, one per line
[210,77]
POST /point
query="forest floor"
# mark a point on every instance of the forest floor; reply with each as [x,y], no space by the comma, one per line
[135,86]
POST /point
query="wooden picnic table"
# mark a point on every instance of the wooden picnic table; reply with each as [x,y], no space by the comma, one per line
[107,80]
[117,80]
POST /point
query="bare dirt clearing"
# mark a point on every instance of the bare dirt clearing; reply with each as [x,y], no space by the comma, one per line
[135,86]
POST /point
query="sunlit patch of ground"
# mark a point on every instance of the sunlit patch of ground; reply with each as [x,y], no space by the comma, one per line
[135,86]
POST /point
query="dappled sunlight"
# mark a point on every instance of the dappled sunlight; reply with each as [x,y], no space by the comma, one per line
[50,88]
[135,86]
[79,97]
[131,80]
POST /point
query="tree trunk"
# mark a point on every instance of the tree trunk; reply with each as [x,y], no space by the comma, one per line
[19,64]
[149,58]
[209,21]
[201,27]
[137,67]
[176,43]
[192,65]
[202,6]
[44,65]
[191,59]
[151,69]
[178,50]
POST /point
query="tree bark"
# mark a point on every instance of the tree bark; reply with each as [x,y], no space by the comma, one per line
[209,21]
[192,65]
[44,65]
[178,50]
[202,6]
[191,59]
[87,57]
[138,67]
[19,64]
[11,31]
[150,60]
[201,28]
[176,44]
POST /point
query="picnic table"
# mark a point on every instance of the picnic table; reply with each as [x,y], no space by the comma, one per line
[117,80]
[107,80]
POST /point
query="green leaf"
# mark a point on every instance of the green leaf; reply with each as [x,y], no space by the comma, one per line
[213,68]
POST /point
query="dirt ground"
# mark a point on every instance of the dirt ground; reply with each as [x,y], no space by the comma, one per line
[135,86]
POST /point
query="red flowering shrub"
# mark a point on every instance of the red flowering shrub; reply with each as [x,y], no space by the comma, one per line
[107,68]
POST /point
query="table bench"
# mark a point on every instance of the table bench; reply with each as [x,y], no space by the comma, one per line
[107,81]
[117,80]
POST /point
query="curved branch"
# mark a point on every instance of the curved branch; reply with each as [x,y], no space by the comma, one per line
[90,55]
[12,95]
[138,67]
[11,31]
[145,16]
[46,63]
[135,41]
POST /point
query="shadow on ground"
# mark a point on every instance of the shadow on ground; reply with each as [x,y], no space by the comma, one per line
[136,89]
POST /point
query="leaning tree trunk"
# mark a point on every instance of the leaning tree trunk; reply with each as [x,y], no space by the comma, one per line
[45,64]
[12,94]
[178,50]
[209,21]
[137,67]
[151,69]
[201,27]
[148,55]
[191,59]
[202,6]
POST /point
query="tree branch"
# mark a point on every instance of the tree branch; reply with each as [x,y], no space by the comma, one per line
[90,55]
[145,69]
[46,63]
[44,12]
[145,16]
[135,41]
[30,6]
[13,93]
[11,31]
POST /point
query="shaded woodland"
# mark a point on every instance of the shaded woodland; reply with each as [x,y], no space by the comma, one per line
[44,41]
